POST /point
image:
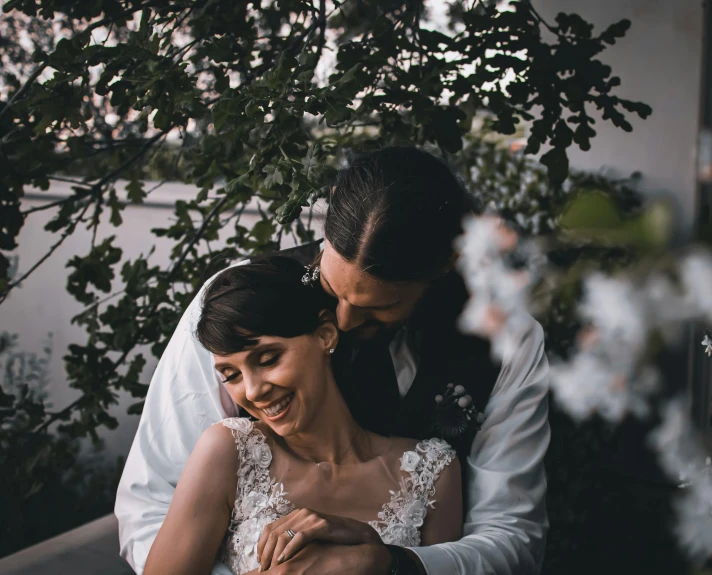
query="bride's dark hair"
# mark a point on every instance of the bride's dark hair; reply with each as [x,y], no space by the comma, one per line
[266,297]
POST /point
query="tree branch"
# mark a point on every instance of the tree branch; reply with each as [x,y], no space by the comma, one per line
[68,180]
[541,20]
[73,198]
[67,232]
[112,175]
[96,188]
[321,21]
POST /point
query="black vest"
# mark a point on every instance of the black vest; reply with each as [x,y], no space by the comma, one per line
[446,355]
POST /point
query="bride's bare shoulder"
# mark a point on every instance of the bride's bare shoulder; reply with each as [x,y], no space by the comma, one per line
[392,448]
[218,441]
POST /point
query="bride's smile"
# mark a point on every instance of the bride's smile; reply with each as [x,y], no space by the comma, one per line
[278,409]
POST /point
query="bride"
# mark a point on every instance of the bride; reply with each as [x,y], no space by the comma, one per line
[300,470]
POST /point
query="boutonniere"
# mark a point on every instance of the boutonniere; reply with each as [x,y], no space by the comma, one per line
[455,412]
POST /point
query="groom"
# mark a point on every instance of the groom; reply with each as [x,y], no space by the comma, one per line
[388,261]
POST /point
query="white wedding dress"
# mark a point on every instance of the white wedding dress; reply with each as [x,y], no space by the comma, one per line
[261,499]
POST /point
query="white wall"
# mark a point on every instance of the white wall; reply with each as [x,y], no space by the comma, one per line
[41,305]
[659,62]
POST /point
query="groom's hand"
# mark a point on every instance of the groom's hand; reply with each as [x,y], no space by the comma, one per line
[329,559]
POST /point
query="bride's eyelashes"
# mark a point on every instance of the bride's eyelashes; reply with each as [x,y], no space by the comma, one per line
[229,378]
[267,359]
[270,360]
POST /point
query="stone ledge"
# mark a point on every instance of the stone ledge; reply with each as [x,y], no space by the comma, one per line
[87,550]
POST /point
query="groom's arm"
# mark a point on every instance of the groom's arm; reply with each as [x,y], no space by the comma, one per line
[505,528]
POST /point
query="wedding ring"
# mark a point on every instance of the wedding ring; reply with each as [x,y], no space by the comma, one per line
[290,533]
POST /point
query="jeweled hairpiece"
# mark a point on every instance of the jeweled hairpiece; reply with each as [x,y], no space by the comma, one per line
[312,276]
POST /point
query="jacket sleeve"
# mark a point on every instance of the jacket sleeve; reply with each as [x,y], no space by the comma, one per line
[505,527]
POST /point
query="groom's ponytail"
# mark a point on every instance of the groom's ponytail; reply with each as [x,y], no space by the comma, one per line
[395,213]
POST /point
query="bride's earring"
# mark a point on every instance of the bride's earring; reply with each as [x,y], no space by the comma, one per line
[332,350]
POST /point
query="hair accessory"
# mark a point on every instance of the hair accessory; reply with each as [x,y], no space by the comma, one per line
[312,276]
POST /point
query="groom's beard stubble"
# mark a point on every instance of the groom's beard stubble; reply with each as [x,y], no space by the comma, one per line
[367,331]
[373,330]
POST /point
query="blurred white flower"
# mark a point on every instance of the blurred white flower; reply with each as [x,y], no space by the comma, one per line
[696,276]
[707,343]
[669,310]
[680,453]
[616,308]
[498,301]
[684,458]
[478,244]
[588,384]
[694,524]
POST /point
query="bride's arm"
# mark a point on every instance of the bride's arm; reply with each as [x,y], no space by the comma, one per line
[200,510]
[444,523]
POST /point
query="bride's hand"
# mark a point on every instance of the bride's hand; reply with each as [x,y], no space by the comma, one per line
[275,546]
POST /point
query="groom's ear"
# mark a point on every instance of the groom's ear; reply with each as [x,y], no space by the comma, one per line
[328,332]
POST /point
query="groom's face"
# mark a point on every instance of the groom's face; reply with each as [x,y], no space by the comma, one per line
[367,305]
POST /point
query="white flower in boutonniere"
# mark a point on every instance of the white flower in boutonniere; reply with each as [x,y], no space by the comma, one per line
[409,461]
[455,412]
[262,455]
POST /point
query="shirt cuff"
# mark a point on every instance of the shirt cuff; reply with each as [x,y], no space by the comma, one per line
[436,560]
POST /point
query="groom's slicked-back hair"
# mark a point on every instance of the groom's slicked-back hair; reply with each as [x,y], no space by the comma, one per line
[264,298]
[395,212]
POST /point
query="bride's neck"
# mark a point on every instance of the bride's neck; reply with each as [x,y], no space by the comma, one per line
[333,436]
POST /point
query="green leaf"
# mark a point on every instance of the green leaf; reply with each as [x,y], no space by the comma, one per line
[115,206]
[615,32]
[263,231]
[134,191]
[202,194]
[136,408]
[557,163]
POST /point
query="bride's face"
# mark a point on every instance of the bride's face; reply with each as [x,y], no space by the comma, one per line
[280,381]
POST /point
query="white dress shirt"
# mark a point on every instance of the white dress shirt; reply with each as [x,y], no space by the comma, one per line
[504,531]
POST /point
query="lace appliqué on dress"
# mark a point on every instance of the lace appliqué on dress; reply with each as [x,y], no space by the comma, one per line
[260,499]
[401,519]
